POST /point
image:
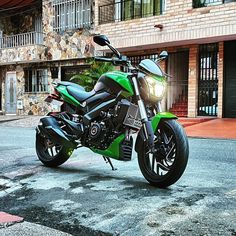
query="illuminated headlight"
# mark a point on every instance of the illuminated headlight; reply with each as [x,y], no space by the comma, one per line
[157,88]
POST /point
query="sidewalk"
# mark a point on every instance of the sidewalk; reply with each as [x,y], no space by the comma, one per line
[198,128]
[20,121]
[217,128]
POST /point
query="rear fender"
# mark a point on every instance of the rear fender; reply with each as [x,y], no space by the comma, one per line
[156,120]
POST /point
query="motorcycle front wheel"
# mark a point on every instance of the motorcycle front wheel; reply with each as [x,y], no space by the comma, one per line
[51,154]
[167,164]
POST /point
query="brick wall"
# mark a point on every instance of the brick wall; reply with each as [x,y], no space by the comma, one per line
[181,24]
[220,79]
[193,81]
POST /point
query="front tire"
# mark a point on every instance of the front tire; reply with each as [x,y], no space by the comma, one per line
[51,154]
[164,167]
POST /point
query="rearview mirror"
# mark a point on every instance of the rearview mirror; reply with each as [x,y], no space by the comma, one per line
[101,40]
[163,55]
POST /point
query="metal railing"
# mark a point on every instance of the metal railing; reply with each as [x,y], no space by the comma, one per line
[129,9]
[18,40]
[208,80]
[205,3]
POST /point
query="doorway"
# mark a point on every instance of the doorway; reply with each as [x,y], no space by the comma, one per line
[230,80]
[177,95]
[10,93]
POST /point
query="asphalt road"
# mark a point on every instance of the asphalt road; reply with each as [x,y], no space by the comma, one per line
[85,197]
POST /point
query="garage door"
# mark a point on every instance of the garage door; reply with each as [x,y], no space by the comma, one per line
[230,80]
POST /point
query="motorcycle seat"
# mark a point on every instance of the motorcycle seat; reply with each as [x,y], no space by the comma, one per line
[66,83]
[79,94]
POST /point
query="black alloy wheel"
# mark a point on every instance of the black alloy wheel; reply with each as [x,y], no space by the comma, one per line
[166,165]
[51,154]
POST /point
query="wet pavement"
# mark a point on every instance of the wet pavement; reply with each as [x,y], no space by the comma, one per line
[85,197]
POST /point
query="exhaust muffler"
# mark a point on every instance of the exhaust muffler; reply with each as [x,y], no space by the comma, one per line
[52,130]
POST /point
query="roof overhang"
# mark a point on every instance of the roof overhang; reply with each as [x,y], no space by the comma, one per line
[14,4]
[143,48]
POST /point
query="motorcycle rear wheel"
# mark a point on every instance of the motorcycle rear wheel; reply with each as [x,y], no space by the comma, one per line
[51,154]
[164,167]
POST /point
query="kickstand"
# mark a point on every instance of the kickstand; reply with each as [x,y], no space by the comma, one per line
[108,160]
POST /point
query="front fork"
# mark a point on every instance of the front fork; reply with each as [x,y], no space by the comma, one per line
[148,130]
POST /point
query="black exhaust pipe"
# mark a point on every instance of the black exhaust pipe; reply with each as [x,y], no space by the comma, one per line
[52,130]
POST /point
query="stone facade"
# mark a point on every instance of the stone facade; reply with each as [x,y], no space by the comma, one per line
[51,49]
[65,45]
[33,103]
[22,54]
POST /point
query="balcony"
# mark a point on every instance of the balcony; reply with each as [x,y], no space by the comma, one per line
[129,9]
[19,40]
[21,47]
[205,3]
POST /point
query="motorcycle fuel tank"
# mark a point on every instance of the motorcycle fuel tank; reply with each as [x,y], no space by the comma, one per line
[114,82]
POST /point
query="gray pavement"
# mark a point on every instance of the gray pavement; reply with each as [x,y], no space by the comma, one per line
[84,197]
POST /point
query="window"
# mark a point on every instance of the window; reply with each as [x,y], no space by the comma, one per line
[121,10]
[36,81]
[205,3]
[141,8]
[71,14]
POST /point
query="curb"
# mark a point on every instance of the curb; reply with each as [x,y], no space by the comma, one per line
[12,225]
[3,121]
[6,218]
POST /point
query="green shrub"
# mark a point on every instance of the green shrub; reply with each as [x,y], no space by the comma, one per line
[89,77]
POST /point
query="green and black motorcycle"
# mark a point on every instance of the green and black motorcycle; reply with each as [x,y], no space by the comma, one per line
[105,119]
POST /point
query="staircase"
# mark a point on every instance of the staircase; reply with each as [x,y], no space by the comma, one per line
[180,107]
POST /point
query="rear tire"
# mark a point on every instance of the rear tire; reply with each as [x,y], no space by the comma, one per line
[50,154]
[167,165]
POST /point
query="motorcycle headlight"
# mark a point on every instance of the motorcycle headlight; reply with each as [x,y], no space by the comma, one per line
[157,87]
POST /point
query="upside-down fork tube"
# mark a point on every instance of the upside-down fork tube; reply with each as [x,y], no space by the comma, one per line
[52,130]
[155,123]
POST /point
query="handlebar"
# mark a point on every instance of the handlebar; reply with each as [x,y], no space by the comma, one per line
[114,61]
[103,59]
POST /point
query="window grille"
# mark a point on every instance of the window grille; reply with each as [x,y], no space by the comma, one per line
[135,60]
[36,81]
[208,80]
[71,14]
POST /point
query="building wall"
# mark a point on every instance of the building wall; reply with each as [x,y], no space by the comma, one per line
[69,44]
[181,24]
[193,81]
[67,48]
[22,54]
[220,79]
[33,103]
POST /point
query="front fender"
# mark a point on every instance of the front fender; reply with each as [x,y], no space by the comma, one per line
[155,122]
